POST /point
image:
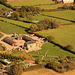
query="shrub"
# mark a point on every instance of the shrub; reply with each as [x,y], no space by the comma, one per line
[65,6]
[69,47]
[50,38]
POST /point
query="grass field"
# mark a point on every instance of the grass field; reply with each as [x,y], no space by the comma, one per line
[64,35]
[30,2]
[2,6]
[1,49]
[40,17]
[9,28]
[50,6]
[54,51]
[55,6]
[19,23]
[67,14]
[1,35]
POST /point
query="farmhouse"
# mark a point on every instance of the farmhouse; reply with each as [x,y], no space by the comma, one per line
[66,1]
[9,41]
[8,13]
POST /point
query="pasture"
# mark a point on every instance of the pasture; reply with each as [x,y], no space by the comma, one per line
[1,35]
[9,28]
[1,48]
[29,2]
[55,6]
[64,35]
[41,17]
[67,15]
[2,6]
[19,23]
[50,6]
[53,51]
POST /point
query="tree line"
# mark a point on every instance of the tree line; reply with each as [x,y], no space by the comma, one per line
[44,24]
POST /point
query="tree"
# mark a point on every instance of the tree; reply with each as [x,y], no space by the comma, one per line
[40,26]
[15,15]
[33,28]
[3,0]
[69,47]
[50,38]
[55,24]
[30,18]
[65,6]
[1,66]
[73,7]
[4,9]
[16,70]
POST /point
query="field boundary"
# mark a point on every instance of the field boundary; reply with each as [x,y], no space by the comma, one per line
[57,44]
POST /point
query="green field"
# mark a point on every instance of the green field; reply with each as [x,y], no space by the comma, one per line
[55,6]
[30,2]
[64,35]
[2,6]
[67,14]
[1,48]
[41,17]
[9,28]
[19,23]
[1,35]
[50,6]
[54,51]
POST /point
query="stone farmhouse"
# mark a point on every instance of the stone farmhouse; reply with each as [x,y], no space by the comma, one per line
[67,1]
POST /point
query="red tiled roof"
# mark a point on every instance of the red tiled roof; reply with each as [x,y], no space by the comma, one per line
[29,61]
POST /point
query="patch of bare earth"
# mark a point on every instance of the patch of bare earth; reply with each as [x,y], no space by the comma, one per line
[47,72]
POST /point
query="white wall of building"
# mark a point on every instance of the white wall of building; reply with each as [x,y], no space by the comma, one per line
[68,1]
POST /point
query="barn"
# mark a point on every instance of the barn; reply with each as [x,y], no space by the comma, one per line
[9,41]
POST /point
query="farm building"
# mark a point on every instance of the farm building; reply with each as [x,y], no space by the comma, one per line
[8,13]
[30,45]
[9,41]
[68,1]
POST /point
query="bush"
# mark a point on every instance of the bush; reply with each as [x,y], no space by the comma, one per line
[65,6]
[69,47]
[50,38]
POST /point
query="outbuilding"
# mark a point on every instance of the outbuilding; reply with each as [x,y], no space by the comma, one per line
[9,41]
